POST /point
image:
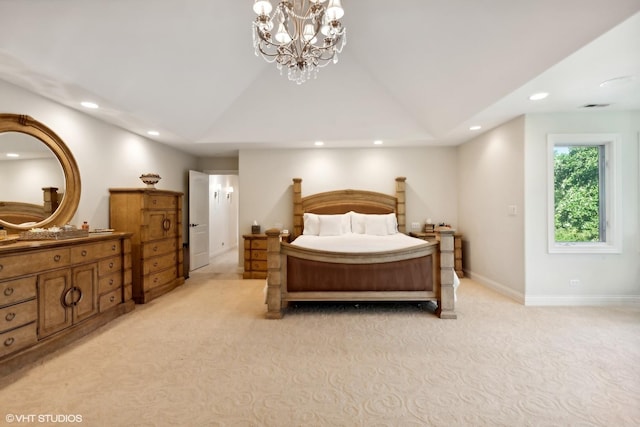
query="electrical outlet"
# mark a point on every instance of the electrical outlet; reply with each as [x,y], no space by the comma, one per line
[574,283]
[513,210]
[415,226]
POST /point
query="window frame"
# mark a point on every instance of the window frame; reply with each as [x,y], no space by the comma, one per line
[612,205]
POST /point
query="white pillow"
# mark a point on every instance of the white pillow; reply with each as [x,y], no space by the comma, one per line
[392,223]
[376,225]
[330,225]
[311,224]
[357,222]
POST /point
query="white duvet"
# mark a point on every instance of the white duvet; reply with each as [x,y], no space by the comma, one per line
[355,242]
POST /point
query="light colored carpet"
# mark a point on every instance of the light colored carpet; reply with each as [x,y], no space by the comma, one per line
[204,355]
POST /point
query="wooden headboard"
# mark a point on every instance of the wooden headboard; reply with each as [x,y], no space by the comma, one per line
[343,201]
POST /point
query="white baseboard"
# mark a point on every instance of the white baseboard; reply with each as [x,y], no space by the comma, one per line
[582,300]
[498,287]
[555,300]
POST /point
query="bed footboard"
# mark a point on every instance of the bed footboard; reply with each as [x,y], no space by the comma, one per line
[436,280]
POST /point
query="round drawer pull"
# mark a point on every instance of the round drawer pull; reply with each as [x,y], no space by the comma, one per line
[1,267]
[112,299]
[10,316]
[8,341]
[110,265]
[155,280]
[155,249]
[110,282]
[155,264]
[113,248]
[83,253]
[8,292]
[57,258]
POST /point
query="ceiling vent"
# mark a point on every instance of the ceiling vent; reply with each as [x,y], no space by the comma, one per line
[595,105]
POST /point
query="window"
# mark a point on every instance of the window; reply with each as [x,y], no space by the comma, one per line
[583,210]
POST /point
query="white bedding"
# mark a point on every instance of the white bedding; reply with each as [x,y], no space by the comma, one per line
[355,242]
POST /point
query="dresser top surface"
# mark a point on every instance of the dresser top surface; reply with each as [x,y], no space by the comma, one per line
[150,191]
[28,245]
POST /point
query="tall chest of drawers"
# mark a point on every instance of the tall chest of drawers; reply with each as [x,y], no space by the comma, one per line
[155,219]
[52,292]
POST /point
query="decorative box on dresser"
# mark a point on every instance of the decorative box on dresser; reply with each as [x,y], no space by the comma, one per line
[55,291]
[155,219]
[255,256]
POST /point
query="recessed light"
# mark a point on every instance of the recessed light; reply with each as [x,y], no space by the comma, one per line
[318,143]
[538,96]
[13,155]
[618,81]
[88,104]
[378,142]
[153,132]
[475,127]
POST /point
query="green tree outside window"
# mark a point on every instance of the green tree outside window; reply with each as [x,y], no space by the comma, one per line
[577,193]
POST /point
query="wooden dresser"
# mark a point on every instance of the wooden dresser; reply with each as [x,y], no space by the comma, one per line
[255,256]
[155,219]
[55,291]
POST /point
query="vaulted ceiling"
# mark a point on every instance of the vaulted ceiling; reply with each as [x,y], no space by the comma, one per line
[414,72]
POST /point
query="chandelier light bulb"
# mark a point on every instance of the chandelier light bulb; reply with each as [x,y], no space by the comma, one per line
[262,7]
[309,33]
[282,36]
[335,10]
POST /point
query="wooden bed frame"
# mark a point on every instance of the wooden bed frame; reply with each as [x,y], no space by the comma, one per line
[421,273]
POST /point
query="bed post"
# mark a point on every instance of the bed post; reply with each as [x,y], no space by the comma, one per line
[274,277]
[401,203]
[297,207]
[447,305]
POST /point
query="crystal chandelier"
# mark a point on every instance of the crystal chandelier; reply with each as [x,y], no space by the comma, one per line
[309,35]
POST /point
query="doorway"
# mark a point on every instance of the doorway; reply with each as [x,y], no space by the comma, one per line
[223,215]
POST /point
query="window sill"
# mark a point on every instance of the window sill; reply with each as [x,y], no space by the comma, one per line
[583,248]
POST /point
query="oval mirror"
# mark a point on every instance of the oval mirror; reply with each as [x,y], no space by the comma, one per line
[41,181]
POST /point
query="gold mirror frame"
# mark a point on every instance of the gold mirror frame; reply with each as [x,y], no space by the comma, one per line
[67,208]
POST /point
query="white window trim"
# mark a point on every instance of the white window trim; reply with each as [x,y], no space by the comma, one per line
[613,244]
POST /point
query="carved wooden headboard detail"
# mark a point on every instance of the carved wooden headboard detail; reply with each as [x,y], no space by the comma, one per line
[342,201]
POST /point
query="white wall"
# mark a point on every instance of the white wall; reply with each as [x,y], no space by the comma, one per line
[266,180]
[490,179]
[107,156]
[605,278]
[23,180]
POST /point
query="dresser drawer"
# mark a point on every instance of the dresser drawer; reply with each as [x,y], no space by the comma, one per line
[18,315]
[109,283]
[259,244]
[151,265]
[17,339]
[259,265]
[92,252]
[159,247]
[259,255]
[19,265]
[109,265]
[161,202]
[16,290]
[161,278]
[110,300]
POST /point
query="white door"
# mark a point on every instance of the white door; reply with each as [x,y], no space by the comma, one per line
[198,219]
